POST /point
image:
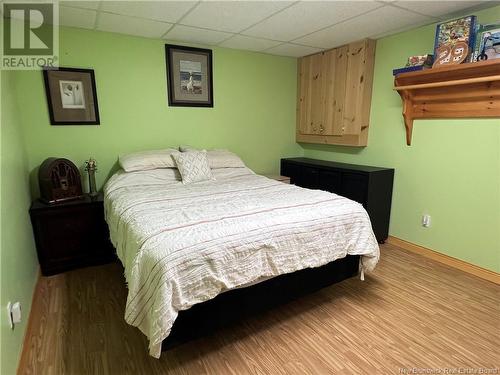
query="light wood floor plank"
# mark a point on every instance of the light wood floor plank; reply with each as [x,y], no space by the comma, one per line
[413,312]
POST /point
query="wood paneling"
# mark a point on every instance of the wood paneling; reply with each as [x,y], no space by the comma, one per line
[310,98]
[334,95]
[333,100]
[360,62]
[412,312]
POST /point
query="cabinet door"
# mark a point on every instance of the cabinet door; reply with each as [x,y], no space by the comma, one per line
[71,236]
[310,91]
[63,235]
[309,178]
[291,170]
[354,186]
[335,70]
[330,181]
[358,88]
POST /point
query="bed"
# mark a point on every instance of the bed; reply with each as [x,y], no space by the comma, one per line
[182,245]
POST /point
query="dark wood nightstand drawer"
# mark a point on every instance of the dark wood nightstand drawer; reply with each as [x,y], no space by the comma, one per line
[70,235]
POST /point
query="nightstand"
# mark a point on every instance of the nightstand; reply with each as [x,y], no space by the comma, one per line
[71,234]
[284,179]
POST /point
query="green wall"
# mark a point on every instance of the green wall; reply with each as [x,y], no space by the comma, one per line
[18,270]
[254,112]
[451,171]
[254,116]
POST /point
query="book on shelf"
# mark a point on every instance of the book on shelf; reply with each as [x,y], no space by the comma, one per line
[487,42]
[407,69]
[457,30]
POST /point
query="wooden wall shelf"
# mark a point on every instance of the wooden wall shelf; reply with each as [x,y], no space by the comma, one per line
[455,91]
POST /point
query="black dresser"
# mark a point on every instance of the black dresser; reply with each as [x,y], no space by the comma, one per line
[370,186]
[71,234]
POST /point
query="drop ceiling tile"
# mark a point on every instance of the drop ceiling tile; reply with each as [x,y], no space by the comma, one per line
[231,16]
[294,50]
[436,8]
[379,21]
[195,35]
[167,11]
[77,17]
[131,25]
[308,16]
[249,43]
[81,4]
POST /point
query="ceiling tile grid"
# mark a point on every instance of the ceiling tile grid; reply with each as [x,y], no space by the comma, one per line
[436,8]
[196,35]
[82,18]
[249,43]
[293,50]
[131,25]
[308,16]
[232,16]
[166,11]
[288,28]
[380,20]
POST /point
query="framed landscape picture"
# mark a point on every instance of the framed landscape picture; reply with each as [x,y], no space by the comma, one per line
[71,96]
[189,75]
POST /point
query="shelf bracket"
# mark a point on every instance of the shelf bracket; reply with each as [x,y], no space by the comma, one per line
[407,114]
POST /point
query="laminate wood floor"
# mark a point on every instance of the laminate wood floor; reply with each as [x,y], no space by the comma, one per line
[412,314]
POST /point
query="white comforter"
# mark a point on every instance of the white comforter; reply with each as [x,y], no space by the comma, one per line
[184,244]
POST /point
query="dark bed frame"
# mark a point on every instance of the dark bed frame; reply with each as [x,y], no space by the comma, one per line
[234,305]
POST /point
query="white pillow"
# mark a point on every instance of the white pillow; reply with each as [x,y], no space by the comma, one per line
[193,166]
[219,158]
[224,159]
[147,160]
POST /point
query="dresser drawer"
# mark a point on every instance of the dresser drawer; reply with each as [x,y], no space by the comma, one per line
[309,178]
[354,186]
[330,181]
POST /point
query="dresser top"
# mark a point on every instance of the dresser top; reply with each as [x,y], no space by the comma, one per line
[85,200]
[333,164]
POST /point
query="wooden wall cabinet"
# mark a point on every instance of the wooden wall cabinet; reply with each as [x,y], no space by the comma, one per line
[334,95]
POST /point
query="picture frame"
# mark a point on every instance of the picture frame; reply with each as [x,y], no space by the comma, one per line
[71,96]
[487,42]
[457,30]
[189,76]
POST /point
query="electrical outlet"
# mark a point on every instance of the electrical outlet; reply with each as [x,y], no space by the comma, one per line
[9,313]
[426,221]
[14,313]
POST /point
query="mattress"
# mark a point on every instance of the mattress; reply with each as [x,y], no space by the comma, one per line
[184,244]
